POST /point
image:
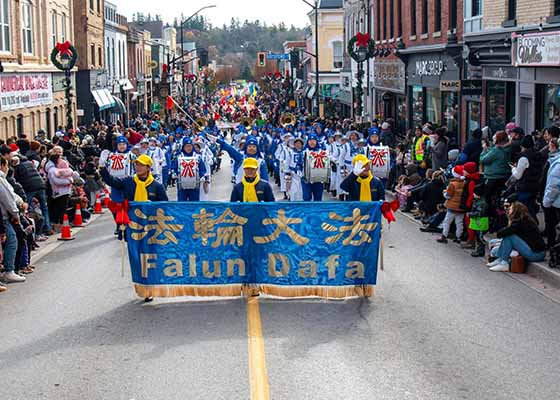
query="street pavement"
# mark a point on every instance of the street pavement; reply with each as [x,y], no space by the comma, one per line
[440,326]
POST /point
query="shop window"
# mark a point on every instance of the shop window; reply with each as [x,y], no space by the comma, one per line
[548,106]
[473,116]
[417,105]
[412,17]
[433,106]
[19,124]
[451,114]
[27,27]
[500,104]
[5,25]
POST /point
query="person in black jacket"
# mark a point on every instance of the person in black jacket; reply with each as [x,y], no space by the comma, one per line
[252,188]
[358,178]
[522,235]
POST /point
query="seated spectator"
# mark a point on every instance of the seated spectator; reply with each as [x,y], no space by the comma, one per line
[521,234]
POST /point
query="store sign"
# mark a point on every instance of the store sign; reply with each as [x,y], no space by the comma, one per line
[389,75]
[508,73]
[536,49]
[430,67]
[25,90]
[450,86]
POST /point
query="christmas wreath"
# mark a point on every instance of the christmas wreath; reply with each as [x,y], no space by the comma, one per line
[361,40]
[64,50]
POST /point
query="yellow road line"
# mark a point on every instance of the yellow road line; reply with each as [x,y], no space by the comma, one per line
[257,361]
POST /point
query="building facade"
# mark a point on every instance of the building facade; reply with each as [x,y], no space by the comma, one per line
[31,88]
[136,72]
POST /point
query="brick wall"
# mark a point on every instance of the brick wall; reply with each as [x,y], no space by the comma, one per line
[88,30]
[495,12]
[530,12]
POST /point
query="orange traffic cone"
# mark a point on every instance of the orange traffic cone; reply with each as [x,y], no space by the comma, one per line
[78,221]
[97,209]
[65,233]
[107,199]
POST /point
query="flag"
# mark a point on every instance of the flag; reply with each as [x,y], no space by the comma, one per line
[170,103]
[254,91]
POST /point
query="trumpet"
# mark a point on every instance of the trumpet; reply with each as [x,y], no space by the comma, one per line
[287,119]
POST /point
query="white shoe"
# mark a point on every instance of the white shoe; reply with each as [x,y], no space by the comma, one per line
[493,263]
[12,277]
[503,266]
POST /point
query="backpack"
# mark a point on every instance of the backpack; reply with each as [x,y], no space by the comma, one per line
[554,252]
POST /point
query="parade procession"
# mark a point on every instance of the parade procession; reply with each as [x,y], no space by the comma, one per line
[323,199]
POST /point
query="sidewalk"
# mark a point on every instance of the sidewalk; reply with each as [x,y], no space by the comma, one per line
[538,270]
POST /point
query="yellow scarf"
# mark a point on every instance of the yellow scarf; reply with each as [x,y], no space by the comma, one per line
[365,188]
[141,193]
[249,192]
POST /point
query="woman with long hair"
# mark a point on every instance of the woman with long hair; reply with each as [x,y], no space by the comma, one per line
[521,234]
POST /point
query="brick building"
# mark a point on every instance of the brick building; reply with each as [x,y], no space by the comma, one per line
[512,59]
[31,88]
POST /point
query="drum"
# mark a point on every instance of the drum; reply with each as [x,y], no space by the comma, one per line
[188,173]
[380,158]
[316,166]
[119,165]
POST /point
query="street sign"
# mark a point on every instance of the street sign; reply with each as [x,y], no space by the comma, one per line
[274,56]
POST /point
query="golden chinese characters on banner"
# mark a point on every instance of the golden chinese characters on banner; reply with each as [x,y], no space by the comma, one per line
[158,225]
[356,229]
[229,234]
[282,225]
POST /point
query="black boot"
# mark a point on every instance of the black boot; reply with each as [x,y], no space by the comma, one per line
[479,250]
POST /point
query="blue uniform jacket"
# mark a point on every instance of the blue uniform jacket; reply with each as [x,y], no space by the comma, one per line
[156,191]
[238,158]
[352,186]
[263,189]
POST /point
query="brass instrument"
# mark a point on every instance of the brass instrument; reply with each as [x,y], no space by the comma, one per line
[201,123]
[287,119]
[246,122]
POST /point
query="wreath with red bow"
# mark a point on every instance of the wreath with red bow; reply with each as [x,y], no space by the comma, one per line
[361,40]
[64,50]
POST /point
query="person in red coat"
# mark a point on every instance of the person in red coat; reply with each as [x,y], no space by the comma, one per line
[133,137]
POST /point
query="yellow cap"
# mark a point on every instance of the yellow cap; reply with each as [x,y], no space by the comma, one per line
[360,157]
[144,160]
[250,163]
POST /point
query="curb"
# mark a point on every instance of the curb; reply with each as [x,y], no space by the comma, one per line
[534,269]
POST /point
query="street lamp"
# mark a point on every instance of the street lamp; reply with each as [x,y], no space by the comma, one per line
[361,48]
[183,22]
[315,7]
[64,57]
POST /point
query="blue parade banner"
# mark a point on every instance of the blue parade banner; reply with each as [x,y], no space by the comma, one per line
[285,249]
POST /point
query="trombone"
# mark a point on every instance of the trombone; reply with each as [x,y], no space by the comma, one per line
[287,119]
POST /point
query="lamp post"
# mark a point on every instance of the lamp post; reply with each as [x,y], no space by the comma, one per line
[64,57]
[183,22]
[361,48]
[315,7]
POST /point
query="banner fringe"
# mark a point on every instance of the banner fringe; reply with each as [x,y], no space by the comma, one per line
[187,290]
[326,292]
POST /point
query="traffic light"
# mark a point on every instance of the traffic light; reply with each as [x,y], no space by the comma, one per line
[202,57]
[262,59]
[294,58]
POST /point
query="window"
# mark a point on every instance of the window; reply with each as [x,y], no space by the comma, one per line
[399,18]
[91,5]
[378,20]
[48,122]
[55,118]
[19,124]
[391,18]
[54,29]
[337,54]
[63,29]
[92,53]
[98,6]
[556,7]
[473,15]
[27,27]
[114,68]
[417,105]
[512,6]
[453,14]
[108,57]
[385,21]
[120,59]
[437,16]
[412,17]
[424,16]
[5,25]
[100,56]
[433,106]
[500,104]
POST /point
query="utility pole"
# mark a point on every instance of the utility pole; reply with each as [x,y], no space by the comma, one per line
[315,7]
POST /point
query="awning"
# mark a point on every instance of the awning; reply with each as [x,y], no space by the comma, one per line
[126,84]
[103,98]
[119,107]
[134,96]
[311,91]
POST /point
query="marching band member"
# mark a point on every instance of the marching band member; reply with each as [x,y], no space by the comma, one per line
[282,155]
[251,188]
[158,158]
[251,150]
[190,171]
[332,153]
[360,184]
[316,156]
[119,164]
[208,159]
[295,165]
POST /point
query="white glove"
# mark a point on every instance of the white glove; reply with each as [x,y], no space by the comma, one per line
[103,158]
[358,168]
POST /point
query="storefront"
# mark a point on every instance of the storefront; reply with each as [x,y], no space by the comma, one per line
[434,83]
[390,92]
[31,101]
[499,87]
